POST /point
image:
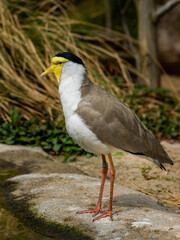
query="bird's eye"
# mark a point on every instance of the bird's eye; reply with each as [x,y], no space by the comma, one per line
[60,63]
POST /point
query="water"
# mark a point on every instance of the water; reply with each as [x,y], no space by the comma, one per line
[10,227]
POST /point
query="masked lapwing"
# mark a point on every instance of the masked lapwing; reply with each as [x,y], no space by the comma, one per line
[101,123]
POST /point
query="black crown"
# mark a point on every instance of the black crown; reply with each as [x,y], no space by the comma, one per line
[70,56]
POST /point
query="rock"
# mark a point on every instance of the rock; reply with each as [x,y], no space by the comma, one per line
[7,148]
[48,203]
[30,160]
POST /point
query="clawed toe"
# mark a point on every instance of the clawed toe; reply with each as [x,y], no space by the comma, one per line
[95,211]
[103,215]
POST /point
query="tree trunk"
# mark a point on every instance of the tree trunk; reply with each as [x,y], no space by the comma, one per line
[107,7]
[147,39]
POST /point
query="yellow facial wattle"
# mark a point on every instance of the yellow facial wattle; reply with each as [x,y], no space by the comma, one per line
[57,70]
[56,67]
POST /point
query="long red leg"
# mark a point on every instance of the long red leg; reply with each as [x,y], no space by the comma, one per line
[104,174]
[112,172]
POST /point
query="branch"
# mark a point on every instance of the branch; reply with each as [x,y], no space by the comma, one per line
[126,31]
[130,42]
[164,9]
[125,7]
[108,14]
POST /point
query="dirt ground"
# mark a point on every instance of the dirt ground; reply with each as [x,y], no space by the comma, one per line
[140,174]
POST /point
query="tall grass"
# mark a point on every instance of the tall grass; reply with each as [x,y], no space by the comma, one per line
[27,46]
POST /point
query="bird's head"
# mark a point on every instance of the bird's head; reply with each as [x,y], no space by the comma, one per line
[58,61]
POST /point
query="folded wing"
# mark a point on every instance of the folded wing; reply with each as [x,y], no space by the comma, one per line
[115,124]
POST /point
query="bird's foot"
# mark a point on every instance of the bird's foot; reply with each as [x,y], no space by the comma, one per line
[91,210]
[103,215]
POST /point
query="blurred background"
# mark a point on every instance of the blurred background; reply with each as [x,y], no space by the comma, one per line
[130,47]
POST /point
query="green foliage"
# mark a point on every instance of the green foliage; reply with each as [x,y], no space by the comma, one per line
[47,134]
[119,154]
[158,110]
[146,170]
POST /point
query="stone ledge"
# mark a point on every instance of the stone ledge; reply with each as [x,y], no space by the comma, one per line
[55,199]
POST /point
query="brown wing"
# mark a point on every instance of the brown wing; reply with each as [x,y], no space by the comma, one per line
[115,124]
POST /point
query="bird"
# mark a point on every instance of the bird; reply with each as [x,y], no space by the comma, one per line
[101,123]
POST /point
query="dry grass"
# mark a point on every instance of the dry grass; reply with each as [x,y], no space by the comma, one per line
[170,200]
[28,46]
[26,50]
[20,66]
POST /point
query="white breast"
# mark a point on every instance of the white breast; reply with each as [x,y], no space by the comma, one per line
[70,83]
[81,133]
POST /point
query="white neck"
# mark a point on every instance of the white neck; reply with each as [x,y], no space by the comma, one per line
[69,88]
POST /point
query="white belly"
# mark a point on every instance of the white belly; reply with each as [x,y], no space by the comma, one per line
[84,137]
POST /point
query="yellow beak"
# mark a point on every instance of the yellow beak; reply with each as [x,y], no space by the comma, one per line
[49,70]
[56,68]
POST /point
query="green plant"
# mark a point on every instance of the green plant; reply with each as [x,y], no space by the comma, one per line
[145,170]
[49,135]
[158,110]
